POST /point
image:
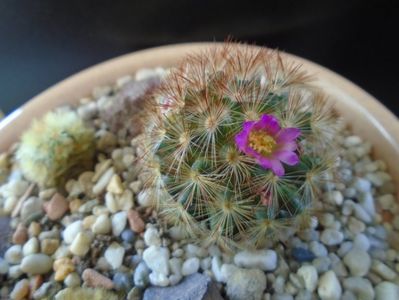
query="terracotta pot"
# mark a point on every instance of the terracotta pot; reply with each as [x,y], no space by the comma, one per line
[366,116]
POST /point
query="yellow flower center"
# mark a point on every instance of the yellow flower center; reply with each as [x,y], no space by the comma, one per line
[261,142]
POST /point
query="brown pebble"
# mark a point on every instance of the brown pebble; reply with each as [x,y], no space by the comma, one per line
[135,221]
[94,279]
[386,216]
[56,207]
[34,229]
[20,235]
[35,283]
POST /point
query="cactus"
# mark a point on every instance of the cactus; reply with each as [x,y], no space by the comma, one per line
[55,148]
[236,145]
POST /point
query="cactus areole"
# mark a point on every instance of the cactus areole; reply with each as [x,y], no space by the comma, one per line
[237,144]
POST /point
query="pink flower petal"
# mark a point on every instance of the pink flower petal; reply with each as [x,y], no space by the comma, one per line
[288,157]
[277,167]
[290,146]
[264,162]
[268,123]
[288,134]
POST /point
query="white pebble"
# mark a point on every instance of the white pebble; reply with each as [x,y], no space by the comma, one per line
[102,225]
[31,246]
[318,249]
[361,213]
[352,140]
[146,198]
[118,221]
[387,201]
[383,270]
[72,280]
[206,263]
[151,237]
[159,279]
[308,274]
[361,241]
[362,185]
[387,291]
[102,183]
[331,237]
[361,287]
[329,287]
[358,261]
[265,260]
[217,269]
[190,266]
[334,197]
[13,254]
[36,264]
[81,244]
[114,255]
[157,259]
[15,272]
[71,231]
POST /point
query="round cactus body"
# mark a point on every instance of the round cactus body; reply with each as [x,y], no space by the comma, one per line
[237,144]
[55,148]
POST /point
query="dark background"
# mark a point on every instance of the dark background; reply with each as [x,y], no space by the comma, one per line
[42,42]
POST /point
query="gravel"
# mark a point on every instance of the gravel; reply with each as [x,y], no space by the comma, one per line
[104,230]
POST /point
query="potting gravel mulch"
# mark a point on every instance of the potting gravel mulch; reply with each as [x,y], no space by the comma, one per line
[99,238]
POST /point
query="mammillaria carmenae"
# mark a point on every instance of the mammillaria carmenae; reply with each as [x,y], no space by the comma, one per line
[237,142]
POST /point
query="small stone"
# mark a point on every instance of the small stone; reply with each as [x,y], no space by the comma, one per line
[21,290]
[119,221]
[355,226]
[96,280]
[20,235]
[141,274]
[74,205]
[206,263]
[49,246]
[72,280]
[103,181]
[156,258]
[344,248]
[151,237]
[322,264]
[56,207]
[352,140]
[47,290]
[13,255]
[71,231]
[114,255]
[386,291]
[136,186]
[308,274]
[4,267]
[128,236]
[216,268]
[62,268]
[190,266]
[15,272]
[383,270]
[362,242]
[358,261]
[327,219]
[329,287]
[367,202]
[246,284]
[301,254]
[331,237]
[36,264]
[176,233]
[361,287]
[35,283]
[146,198]
[362,185]
[387,202]
[334,197]
[102,225]
[265,260]
[159,279]
[194,287]
[361,214]
[115,185]
[31,209]
[34,229]
[136,223]
[81,244]
[318,249]
[121,281]
[49,234]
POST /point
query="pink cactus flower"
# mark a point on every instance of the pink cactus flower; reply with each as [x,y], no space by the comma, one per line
[268,143]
